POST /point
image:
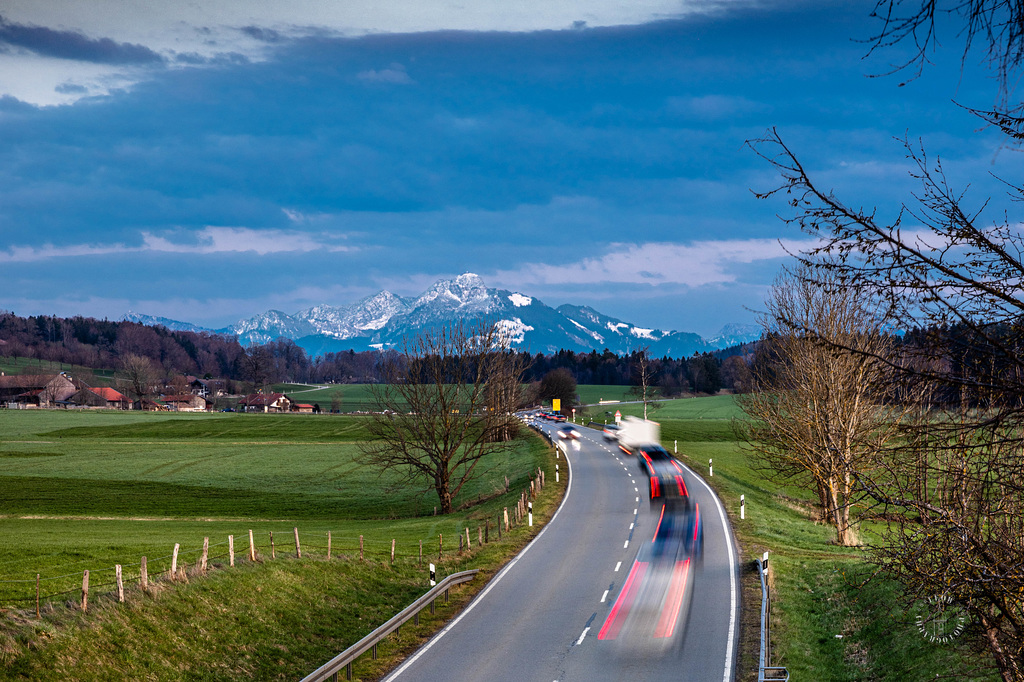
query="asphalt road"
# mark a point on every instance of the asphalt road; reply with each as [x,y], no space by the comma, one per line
[556,612]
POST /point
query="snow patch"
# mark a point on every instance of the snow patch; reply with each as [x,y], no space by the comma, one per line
[617,327]
[514,329]
[643,333]
[518,300]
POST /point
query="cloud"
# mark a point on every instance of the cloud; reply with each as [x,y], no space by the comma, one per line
[266,35]
[693,264]
[74,45]
[210,240]
[395,74]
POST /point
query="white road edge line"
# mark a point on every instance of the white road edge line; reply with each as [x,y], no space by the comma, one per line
[412,659]
[733,597]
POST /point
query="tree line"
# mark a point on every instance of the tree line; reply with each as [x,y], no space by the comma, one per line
[93,343]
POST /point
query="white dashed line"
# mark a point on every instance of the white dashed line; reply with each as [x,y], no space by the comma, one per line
[625,544]
[631,526]
[617,566]
[604,596]
[580,640]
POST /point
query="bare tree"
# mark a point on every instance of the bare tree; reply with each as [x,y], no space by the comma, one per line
[257,365]
[816,417]
[136,376]
[643,378]
[435,421]
[954,285]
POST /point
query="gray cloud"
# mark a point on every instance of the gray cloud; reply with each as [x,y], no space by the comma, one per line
[74,45]
[266,35]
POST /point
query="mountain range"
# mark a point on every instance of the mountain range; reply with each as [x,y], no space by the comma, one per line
[384,319]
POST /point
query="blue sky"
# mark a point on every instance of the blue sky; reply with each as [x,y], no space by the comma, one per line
[207,164]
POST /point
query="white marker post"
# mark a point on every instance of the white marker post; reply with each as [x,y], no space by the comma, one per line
[711,470]
[531,512]
[742,508]
[675,446]
[556,473]
[432,576]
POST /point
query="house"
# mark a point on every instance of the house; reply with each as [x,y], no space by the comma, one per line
[265,402]
[35,390]
[207,387]
[101,397]
[302,407]
[187,402]
[148,406]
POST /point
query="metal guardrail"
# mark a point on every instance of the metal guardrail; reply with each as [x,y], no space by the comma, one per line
[344,660]
[765,672]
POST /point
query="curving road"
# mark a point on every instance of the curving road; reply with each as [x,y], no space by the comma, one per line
[569,607]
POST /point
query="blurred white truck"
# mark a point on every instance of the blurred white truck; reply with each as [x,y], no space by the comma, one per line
[636,432]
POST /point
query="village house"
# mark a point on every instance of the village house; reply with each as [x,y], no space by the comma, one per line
[265,402]
[188,402]
[100,397]
[35,390]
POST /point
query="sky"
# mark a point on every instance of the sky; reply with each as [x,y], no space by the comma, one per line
[209,163]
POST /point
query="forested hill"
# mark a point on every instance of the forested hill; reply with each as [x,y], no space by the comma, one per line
[103,344]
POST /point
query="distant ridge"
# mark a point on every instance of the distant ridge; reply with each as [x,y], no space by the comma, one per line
[384,319]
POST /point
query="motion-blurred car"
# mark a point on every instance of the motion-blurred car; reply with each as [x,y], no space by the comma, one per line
[665,474]
[568,432]
[611,432]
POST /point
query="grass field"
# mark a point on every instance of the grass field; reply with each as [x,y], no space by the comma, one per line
[90,489]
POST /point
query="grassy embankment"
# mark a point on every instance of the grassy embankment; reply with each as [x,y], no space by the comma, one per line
[820,589]
[86,490]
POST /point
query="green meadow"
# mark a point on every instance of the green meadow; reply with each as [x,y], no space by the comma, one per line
[89,489]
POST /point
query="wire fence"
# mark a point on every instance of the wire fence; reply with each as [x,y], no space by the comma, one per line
[71,585]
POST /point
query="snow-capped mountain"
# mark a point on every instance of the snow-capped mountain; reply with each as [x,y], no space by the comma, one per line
[173,325]
[384,320]
[734,334]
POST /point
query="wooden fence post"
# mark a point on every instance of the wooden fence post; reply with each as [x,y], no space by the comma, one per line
[231,550]
[298,549]
[174,562]
[440,545]
[469,545]
[479,536]
[487,530]
[421,554]
[328,545]
[120,583]
[205,556]
[273,553]
[144,574]
[392,551]
[85,590]
[37,595]
[505,514]
[252,547]
[360,547]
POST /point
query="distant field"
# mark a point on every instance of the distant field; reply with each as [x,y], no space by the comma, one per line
[32,366]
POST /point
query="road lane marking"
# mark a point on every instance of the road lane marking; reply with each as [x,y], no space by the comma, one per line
[604,596]
[631,526]
[472,605]
[727,676]
[625,545]
[634,512]
[617,566]
[580,640]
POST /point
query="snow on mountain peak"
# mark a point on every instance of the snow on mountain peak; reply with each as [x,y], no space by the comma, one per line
[518,300]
